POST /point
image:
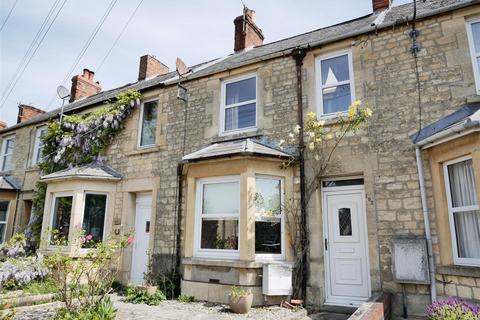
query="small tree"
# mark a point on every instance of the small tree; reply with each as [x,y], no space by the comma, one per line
[86,279]
[321,141]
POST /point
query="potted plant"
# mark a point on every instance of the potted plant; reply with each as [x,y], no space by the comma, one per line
[150,279]
[240,300]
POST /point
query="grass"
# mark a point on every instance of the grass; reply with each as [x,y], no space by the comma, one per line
[35,287]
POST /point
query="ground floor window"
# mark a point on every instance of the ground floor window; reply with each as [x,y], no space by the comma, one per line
[3,219]
[94,217]
[62,211]
[218,213]
[268,216]
[464,211]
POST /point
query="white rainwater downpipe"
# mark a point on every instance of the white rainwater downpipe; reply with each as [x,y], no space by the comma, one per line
[426,220]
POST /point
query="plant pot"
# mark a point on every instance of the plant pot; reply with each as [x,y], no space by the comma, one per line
[150,290]
[240,304]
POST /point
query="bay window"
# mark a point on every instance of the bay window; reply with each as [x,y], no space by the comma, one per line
[3,219]
[7,152]
[335,87]
[94,216]
[148,124]
[239,104]
[269,240]
[217,218]
[463,210]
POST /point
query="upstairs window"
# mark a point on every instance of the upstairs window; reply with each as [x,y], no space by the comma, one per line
[3,219]
[464,211]
[239,104]
[37,149]
[473,32]
[218,214]
[148,124]
[335,83]
[7,152]
[268,217]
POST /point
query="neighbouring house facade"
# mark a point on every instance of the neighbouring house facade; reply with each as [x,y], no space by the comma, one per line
[201,182]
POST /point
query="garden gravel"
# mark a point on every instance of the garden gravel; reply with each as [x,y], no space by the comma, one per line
[171,310]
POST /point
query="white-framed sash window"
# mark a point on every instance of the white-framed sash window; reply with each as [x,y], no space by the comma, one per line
[147,128]
[7,153]
[463,211]
[238,112]
[37,148]
[335,85]
[3,219]
[473,33]
[269,220]
[217,217]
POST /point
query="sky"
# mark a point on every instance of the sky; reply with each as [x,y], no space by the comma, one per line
[194,30]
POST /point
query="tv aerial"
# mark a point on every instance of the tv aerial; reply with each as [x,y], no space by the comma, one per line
[182,70]
[63,93]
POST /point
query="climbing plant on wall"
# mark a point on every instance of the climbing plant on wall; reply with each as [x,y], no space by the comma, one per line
[78,140]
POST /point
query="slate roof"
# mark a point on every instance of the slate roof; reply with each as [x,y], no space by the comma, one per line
[242,147]
[89,171]
[465,117]
[9,183]
[366,24]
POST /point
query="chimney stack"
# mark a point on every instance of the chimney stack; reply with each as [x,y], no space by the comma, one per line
[3,125]
[247,33]
[379,5]
[84,86]
[26,112]
[150,67]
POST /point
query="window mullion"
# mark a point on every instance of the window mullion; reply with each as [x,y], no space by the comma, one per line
[336,84]
[239,104]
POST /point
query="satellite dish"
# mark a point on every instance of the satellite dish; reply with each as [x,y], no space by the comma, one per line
[181,67]
[63,92]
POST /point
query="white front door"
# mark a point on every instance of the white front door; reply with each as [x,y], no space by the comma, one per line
[346,255]
[143,210]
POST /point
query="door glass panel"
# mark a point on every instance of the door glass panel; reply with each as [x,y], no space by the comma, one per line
[345,221]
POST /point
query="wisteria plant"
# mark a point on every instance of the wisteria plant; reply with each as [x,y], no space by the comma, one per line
[453,308]
[78,140]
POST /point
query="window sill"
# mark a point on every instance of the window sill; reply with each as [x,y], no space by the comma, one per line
[239,135]
[231,263]
[143,150]
[462,271]
[222,263]
[331,118]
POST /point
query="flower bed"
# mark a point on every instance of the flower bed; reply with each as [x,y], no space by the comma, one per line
[453,308]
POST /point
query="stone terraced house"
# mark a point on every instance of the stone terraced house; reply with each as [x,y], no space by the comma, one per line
[182,174]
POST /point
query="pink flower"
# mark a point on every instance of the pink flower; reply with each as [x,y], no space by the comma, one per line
[89,237]
[130,240]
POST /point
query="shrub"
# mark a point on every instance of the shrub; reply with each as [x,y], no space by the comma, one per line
[169,284]
[104,310]
[453,308]
[185,298]
[137,295]
[17,272]
[88,279]
[238,292]
[16,246]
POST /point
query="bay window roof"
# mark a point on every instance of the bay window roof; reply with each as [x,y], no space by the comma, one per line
[464,120]
[242,147]
[89,171]
[9,183]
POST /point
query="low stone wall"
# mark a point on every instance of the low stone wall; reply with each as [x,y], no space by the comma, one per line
[378,309]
